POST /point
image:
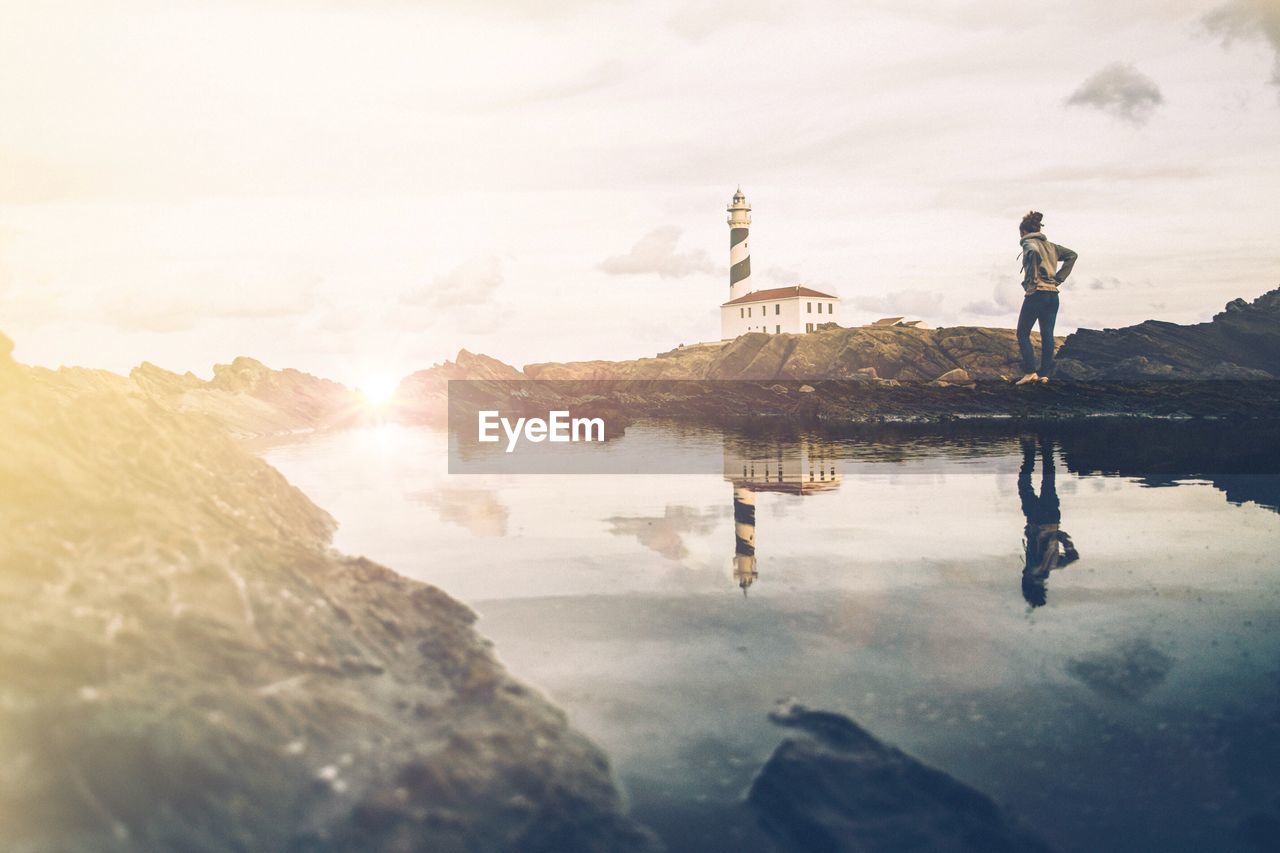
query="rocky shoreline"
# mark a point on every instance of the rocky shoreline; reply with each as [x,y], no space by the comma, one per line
[189,665]
[1227,368]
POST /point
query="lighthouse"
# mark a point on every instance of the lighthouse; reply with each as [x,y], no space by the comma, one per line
[739,246]
[794,309]
[744,535]
[804,468]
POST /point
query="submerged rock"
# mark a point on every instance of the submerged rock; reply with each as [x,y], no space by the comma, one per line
[836,787]
[188,665]
[1128,671]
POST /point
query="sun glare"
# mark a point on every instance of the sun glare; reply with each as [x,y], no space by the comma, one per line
[378,390]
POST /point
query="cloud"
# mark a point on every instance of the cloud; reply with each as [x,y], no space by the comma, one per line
[782,275]
[1119,90]
[916,303]
[656,252]
[697,21]
[477,510]
[1006,298]
[665,534]
[1114,172]
[182,310]
[471,283]
[1108,282]
[598,76]
[1247,19]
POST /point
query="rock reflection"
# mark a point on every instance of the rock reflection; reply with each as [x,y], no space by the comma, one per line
[1241,460]
[1048,546]
[801,467]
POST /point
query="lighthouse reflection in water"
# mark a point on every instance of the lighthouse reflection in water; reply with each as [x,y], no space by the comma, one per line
[802,467]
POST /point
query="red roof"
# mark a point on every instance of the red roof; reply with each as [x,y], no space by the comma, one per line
[779,293]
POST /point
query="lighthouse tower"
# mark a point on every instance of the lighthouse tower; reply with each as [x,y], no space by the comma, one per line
[739,248]
[744,535]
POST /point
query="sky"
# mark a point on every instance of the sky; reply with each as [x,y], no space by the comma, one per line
[360,189]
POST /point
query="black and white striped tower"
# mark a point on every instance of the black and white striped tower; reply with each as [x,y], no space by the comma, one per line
[744,536]
[739,247]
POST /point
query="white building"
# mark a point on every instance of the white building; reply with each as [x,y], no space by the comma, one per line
[793,310]
[804,468]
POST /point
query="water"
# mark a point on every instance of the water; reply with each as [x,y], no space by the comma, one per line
[1121,693]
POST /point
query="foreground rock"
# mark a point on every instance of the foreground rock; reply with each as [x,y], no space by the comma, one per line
[188,665]
[835,787]
[1241,342]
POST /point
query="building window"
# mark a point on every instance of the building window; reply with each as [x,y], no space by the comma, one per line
[831,308]
[819,307]
[777,309]
[748,312]
[742,312]
[808,308]
[777,330]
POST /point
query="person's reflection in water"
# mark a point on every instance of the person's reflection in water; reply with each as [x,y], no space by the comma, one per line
[1048,546]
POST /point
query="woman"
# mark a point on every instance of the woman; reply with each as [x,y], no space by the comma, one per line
[1048,547]
[1040,280]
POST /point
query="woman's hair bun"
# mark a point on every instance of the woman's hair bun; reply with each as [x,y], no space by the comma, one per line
[1031,222]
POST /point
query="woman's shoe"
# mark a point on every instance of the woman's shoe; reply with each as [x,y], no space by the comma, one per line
[1044,380]
[1028,379]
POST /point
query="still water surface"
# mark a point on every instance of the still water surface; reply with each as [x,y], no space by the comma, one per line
[1082,626]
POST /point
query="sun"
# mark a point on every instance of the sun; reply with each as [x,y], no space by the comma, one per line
[378,390]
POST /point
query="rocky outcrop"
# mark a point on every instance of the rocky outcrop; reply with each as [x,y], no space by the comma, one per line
[1241,342]
[894,373]
[249,398]
[884,356]
[188,665]
[245,398]
[835,787]
[904,354]
[423,396]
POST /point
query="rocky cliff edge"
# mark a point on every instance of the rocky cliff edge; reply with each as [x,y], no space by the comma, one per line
[188,665]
